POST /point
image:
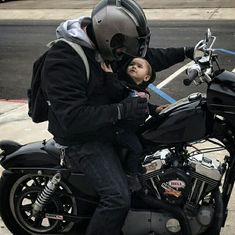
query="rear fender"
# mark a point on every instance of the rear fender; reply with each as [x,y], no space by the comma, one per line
[30,155]
[8,147]
[42,156]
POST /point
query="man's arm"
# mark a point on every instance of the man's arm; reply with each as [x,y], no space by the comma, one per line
[160,58]
[163,58]
[115,88]
[67,87]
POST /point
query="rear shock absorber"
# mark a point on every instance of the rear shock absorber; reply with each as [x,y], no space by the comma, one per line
[46,194]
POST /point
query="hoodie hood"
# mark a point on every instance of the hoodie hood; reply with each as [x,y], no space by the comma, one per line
[71,30]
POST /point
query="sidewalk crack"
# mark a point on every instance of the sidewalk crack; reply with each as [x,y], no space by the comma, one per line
[213,13]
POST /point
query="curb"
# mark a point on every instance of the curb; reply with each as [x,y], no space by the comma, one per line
[24,101]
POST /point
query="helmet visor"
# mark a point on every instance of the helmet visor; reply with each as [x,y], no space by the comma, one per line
[133,46]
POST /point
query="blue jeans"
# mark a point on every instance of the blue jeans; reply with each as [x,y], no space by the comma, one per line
[129,139]
[101,165]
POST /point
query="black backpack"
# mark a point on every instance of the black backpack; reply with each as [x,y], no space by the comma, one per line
[37,102]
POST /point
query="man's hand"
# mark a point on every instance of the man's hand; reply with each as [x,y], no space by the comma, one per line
[133,108]
[106,68]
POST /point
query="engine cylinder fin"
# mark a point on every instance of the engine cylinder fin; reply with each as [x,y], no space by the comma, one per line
[150,175]
[209,181]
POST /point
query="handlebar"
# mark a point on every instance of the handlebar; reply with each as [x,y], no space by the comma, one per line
[192,73]
[191,77]
[202,70]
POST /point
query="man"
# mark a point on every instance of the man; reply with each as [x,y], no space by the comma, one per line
[81,115]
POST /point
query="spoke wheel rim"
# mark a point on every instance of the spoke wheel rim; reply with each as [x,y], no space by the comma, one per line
[27,188]
[24,212]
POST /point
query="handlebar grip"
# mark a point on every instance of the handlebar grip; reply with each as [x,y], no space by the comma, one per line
[192,74]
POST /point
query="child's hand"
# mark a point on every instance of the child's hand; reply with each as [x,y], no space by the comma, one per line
[161,107]
[143,95]
[106,68]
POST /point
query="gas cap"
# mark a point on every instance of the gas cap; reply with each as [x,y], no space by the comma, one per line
[195,96]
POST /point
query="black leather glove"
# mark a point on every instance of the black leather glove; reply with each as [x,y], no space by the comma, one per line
[188,52]
[133,108]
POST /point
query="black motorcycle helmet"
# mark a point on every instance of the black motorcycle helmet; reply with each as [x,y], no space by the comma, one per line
[120,24]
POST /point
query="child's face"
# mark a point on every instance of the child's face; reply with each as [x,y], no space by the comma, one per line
[138,70]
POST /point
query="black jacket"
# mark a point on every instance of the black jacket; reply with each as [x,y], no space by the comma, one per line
[119,88]
[79,110]
[82,110]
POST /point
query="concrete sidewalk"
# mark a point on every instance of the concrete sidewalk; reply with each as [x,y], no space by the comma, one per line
[154,10]
[88,4]
[151,14]
[15,123]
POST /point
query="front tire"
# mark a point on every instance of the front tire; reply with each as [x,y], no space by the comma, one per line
[18,192]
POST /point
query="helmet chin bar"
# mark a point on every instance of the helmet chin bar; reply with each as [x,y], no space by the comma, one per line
[118,55]
[143,50]
[144,43]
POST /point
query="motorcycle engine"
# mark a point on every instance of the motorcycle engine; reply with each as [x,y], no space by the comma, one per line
[178,184]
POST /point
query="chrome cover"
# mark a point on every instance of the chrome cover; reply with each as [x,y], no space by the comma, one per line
[206,166]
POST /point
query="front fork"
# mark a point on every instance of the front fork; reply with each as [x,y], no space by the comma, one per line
[225,133]
[228,185]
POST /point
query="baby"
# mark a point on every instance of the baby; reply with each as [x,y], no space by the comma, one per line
[138,74]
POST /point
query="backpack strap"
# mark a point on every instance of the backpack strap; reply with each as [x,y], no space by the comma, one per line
[78,49]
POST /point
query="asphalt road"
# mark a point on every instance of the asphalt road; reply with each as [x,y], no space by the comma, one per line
[23,41]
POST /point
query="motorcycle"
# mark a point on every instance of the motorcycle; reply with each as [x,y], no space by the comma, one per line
[185,190]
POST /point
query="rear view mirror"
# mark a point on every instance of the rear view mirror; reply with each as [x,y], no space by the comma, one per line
[208,35]
[198,50]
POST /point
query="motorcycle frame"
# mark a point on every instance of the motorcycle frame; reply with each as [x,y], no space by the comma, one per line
[224,132]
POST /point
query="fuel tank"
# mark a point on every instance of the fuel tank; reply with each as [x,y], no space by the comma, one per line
[183,121]
[221,95]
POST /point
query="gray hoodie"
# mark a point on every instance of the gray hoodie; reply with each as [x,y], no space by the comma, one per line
[71,30]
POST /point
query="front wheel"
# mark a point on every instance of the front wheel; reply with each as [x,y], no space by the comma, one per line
[18,192]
